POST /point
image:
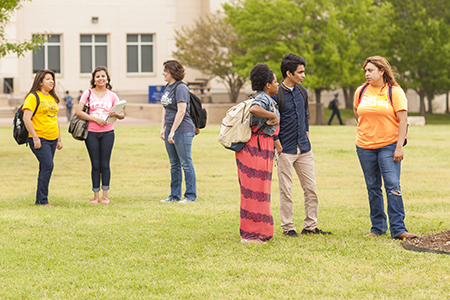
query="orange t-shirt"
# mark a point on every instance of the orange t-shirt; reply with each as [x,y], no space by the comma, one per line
[378,122]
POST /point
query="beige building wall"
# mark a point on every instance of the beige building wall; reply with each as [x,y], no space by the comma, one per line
[116,19]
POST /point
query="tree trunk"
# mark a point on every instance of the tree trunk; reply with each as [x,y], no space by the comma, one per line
[319,120]
[347,100]
[430,97]
[234,87]
[446,104]
[422,103]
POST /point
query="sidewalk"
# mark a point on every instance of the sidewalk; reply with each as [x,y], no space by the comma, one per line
[128,121]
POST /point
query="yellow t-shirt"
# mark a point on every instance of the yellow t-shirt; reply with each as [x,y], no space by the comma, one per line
[378,122]
[45,122]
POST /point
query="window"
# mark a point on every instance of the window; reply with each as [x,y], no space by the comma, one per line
[139,53]
[93,52]
[49,55]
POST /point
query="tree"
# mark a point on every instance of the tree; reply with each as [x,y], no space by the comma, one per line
[421,47]
[209,46]
[271,29]
[7,8]
[361,22]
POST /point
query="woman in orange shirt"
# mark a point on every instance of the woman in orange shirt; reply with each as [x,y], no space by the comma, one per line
[380,107]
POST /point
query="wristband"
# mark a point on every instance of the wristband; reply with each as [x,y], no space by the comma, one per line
[34,140]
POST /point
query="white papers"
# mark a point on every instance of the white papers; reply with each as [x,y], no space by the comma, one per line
[118,107]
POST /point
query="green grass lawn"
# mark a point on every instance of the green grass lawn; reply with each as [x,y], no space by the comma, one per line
[139,248]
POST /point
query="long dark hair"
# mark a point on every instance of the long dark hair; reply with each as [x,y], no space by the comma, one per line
[98,69]
[37,83]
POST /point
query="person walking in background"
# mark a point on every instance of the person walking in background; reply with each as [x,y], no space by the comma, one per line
[295,151]
[80,93]
[380,108]
[100,139]
[256,225]
[43,128]
[177,132]
[69,105]
[334,105]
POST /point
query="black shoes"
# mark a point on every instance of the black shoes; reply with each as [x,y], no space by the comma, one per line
[315,231]
[291,233]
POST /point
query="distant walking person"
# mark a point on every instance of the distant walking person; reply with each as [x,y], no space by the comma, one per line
[69,105]
[100,139]
[334,105]
[177,132]
[380,107]
[296,148]
[255,160]
[43,128]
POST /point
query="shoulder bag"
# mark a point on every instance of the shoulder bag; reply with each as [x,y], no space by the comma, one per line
[79,127]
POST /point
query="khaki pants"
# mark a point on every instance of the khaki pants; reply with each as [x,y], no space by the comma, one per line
[304,167]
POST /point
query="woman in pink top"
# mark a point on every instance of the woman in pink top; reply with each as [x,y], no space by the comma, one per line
[100,139]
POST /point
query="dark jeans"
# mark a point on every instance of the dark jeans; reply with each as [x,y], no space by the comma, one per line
[99,146]
[335,112]
[45,156]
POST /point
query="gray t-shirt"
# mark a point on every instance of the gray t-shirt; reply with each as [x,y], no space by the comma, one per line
[170,104]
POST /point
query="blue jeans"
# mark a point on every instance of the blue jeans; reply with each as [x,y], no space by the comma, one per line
[377,163]
[99,146]
[180,156]
[45,156]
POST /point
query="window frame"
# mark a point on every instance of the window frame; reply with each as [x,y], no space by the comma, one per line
[44,48]
[139,45]
[93,44]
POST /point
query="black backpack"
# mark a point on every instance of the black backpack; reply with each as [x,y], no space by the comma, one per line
[197,113]
[280,99]
[20,132]
[332,104]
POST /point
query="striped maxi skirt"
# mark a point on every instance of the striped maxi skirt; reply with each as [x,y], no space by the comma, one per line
[255,165]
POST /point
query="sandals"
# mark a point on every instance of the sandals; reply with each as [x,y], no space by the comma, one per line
[104,201]
[252,241]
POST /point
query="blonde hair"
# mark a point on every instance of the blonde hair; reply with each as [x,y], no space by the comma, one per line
[383,65]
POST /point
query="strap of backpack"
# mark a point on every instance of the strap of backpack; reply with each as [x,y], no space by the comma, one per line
[363,89]
[175,95]
[303,92]
[361,92]
[38,101]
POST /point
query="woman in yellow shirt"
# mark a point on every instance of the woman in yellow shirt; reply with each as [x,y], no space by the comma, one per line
[380,107]
[43,128]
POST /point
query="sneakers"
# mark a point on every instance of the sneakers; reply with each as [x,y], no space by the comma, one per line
[315,231]
[186,201]
[291,233]
[168,200]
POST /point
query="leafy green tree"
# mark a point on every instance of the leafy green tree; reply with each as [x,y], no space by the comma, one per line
[421,47]
[334,36]
[361,23]
[271,29]
[209,46]
[7,8]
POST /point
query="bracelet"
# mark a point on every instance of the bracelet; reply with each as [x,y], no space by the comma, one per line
[34,140]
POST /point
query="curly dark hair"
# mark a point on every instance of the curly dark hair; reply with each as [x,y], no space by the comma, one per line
[260,75]
[175,68]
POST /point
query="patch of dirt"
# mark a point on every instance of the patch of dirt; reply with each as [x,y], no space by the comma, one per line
[439,242]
